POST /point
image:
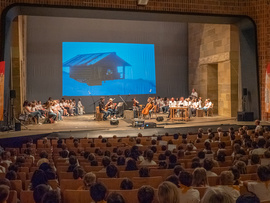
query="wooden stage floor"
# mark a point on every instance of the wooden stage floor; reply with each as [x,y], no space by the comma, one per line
[86,126]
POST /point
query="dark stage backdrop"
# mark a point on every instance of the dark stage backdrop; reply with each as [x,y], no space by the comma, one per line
[44,52]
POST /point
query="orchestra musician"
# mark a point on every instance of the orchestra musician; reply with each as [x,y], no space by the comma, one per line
[110,107]
[194,94]
[102,108]
[148,107]
[136,108]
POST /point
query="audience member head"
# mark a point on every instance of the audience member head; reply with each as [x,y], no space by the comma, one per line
[241,166]
[161,157]
[11,175]
[89,179]
[178,169]
[173,179]
[51,196]
[208,164]
[263,173]
[4,193]
[214,195]
[115,198]
[255,159]
[201,154]
[185,178]
[168,192]
[39,192]
[126,184]
[72,160]
[131,165]
[146,194]
[121,161]
[144,172]
[221,156]
[78,173]
[236,174]
[111,171]
[248,198]
[162,165]
[149,155]
[226,178]
[199,178]
[39,177]
[106,161]
[98,192]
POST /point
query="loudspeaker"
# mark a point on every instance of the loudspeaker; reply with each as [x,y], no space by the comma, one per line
[245,116]
[159,118]
[12,94]
[114,121]
[150,125]
[245,92]
[17,126]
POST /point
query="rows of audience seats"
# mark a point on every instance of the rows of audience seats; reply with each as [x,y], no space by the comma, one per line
[200,166]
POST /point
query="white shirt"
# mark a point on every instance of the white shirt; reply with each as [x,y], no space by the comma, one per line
[260,190]
[180,103]
[172,104]
[147,163]
[191,196]
[231,191]
[259,151]
[200,104]
[194,94]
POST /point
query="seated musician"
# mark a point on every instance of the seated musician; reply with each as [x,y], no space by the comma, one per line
[154,107]
[165,105]
[207,105]
[110,108]
[187,103]
[180,104]
[194,94]
[102,108]
[172,103]
[135,107]
[194,107]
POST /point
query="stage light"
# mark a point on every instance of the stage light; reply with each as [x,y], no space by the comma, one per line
[142,2]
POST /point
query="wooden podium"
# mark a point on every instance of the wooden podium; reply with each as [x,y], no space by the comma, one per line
[174,115]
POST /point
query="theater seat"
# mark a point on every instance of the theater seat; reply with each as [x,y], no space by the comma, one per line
[152,181]
[161,172]
[201,190]
[12,198]
[66,184]
[17,186]
[27,197]
[213,180]
[128,174]
[72,196]
[111,183]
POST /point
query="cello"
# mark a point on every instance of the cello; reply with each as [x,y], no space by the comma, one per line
[147,108]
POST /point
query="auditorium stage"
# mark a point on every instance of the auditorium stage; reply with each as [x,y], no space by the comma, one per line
[86,126]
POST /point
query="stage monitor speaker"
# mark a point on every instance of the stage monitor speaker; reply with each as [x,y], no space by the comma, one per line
[150,125]
[245,92]
[114,121]
[17,126]
[138,122]
[12,94]
[159,118]
[245,116]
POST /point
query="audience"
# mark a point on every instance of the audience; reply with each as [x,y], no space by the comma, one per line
[248,149]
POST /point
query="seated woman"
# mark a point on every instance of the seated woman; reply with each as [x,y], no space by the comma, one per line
[50,111]
[199,178]
[149,159]
[28,110]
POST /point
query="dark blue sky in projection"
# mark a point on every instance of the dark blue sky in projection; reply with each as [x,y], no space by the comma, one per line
[94,68]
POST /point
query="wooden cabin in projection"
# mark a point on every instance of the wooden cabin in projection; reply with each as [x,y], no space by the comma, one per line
[94,68]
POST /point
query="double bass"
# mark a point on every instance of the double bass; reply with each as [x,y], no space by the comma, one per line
[148,107]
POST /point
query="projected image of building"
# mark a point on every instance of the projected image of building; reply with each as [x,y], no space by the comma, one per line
[95,68]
